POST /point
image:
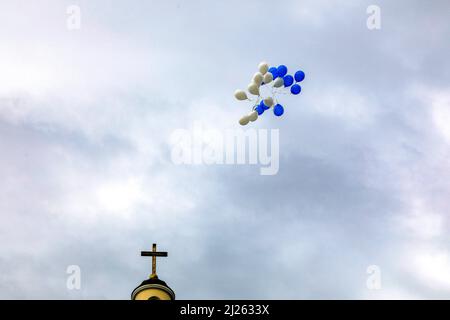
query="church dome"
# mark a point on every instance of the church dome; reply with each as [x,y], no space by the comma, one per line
[153,289]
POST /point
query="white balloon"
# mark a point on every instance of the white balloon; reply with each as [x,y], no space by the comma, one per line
[253,89]
[278,82]
[244,120]
[263,67]
[258,78]
[252,116]
[240,95]
[268,101]
[268,77]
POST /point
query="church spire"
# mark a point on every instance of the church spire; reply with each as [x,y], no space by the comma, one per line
[153,288]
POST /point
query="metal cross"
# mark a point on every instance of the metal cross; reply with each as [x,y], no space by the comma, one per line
[153,254]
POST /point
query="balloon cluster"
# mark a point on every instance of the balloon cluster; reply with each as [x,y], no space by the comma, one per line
[281,83]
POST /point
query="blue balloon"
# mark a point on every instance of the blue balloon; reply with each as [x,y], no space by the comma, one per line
[288,80]
[299,76]
[259,109]
[278,110]
[295,89]
[274,72]
[281,70]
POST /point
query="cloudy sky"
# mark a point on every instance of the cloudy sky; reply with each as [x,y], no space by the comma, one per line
[87,178]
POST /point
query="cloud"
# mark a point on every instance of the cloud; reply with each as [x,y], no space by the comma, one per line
[85,123]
